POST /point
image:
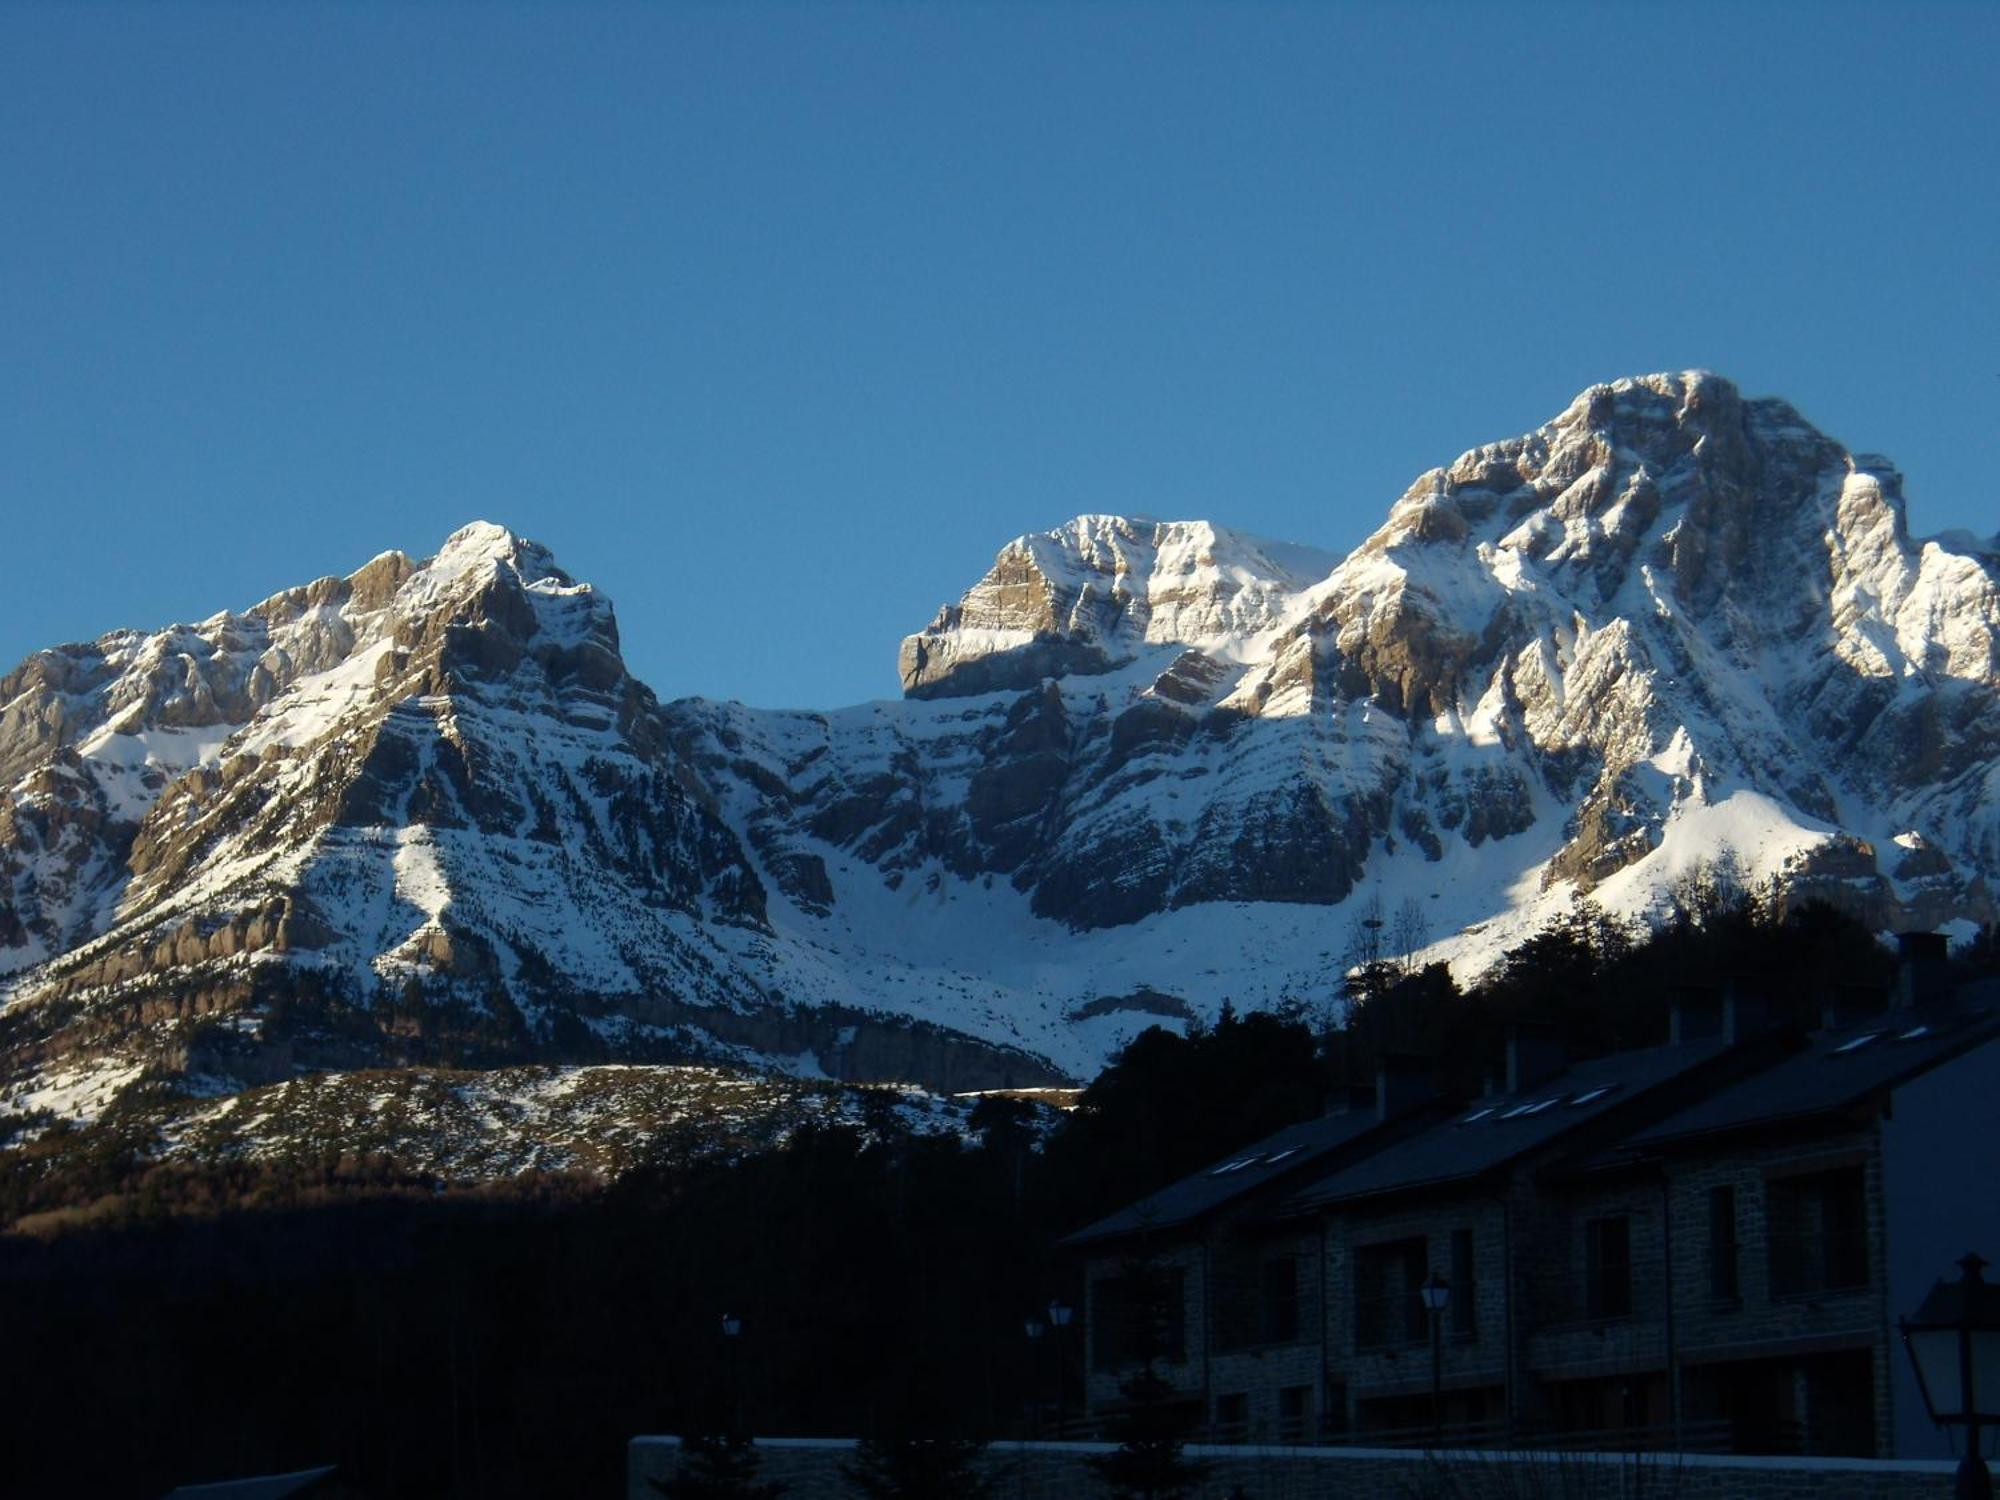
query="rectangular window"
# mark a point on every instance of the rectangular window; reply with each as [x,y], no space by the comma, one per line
[1607,1267]
[1844,1229]
[1138,1316]
[1388,1294]
[1464,1302]
[1295,1413]
[1723,1283]
[1819,1232]
[1232,1418]
[1278,1300]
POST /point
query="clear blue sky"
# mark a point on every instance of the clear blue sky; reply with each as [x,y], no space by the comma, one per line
[776,321]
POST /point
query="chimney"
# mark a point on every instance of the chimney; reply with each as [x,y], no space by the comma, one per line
[1922,979]
[1743,1015]
[1402,1083]
[1694,1013]
[1535,1054]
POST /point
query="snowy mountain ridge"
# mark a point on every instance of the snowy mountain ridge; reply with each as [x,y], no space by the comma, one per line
[1139,768]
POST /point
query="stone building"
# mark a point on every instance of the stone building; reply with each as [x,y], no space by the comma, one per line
[1235,1300]
[1698,1245]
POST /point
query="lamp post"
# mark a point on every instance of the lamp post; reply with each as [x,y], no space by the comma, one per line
[1034,1328]
[1954,1343]
[732,1331]
[1436,1293]
[1059,1316]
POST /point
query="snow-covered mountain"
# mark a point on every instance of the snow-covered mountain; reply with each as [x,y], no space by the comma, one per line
[424,812]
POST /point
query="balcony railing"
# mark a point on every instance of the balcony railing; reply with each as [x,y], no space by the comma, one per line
[1712,1435]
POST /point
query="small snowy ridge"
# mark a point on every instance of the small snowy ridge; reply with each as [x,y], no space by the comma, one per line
[78,1092]
[420,878]
[315,704]
[598,1120]
[131,765]
[479,545]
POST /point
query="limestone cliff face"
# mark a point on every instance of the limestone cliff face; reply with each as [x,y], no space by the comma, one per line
[425,810]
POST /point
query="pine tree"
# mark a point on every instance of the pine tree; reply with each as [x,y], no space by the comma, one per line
[918,1468]
[718,1466]
[1149,1462]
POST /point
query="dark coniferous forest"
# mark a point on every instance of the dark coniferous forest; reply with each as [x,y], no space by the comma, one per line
[509,1341]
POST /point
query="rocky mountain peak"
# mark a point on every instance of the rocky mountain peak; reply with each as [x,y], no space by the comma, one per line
[1138,768]
[484,551]
[131,762]
[1089,595]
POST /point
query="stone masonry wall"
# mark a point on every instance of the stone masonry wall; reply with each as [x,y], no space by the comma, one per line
[1477,1362]
[1060,1471]
[1759,1322]
[1256,1370]
[1565,1341]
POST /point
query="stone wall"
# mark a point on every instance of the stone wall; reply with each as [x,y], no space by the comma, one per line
[1469,1363]
[1760,1322]
[1246,1366]
[810,1467]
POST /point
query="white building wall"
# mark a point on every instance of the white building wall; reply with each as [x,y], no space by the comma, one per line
[1941,1185]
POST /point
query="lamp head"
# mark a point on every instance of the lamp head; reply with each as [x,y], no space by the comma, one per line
[1436,1292]
[1954,1343]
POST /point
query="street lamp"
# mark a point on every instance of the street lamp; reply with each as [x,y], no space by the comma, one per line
[732,1329]
[1954,1344]
[1436,1292]
[1034,1328]
[1059,1316]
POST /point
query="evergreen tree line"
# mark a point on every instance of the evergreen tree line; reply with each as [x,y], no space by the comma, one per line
[511,1341]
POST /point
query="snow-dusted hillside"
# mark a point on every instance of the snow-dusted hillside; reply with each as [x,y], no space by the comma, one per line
[1141,768]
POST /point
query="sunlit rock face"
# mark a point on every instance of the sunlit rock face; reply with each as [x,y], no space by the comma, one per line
[426,806]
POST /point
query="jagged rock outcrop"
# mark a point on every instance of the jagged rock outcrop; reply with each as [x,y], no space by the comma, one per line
[1091,595]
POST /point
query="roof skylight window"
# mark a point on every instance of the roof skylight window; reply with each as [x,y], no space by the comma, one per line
[1278,1156]
[1857,1044]
[1477,1115]
[1591,1096]
[1527,1109]
[1234,1166]
[1913,1033]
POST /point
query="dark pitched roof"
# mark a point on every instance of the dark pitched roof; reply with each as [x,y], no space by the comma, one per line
[1490,1133]
[264,1487]
[1237,1175]
[1836,1070]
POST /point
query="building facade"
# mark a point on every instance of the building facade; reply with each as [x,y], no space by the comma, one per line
[1703,1245]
